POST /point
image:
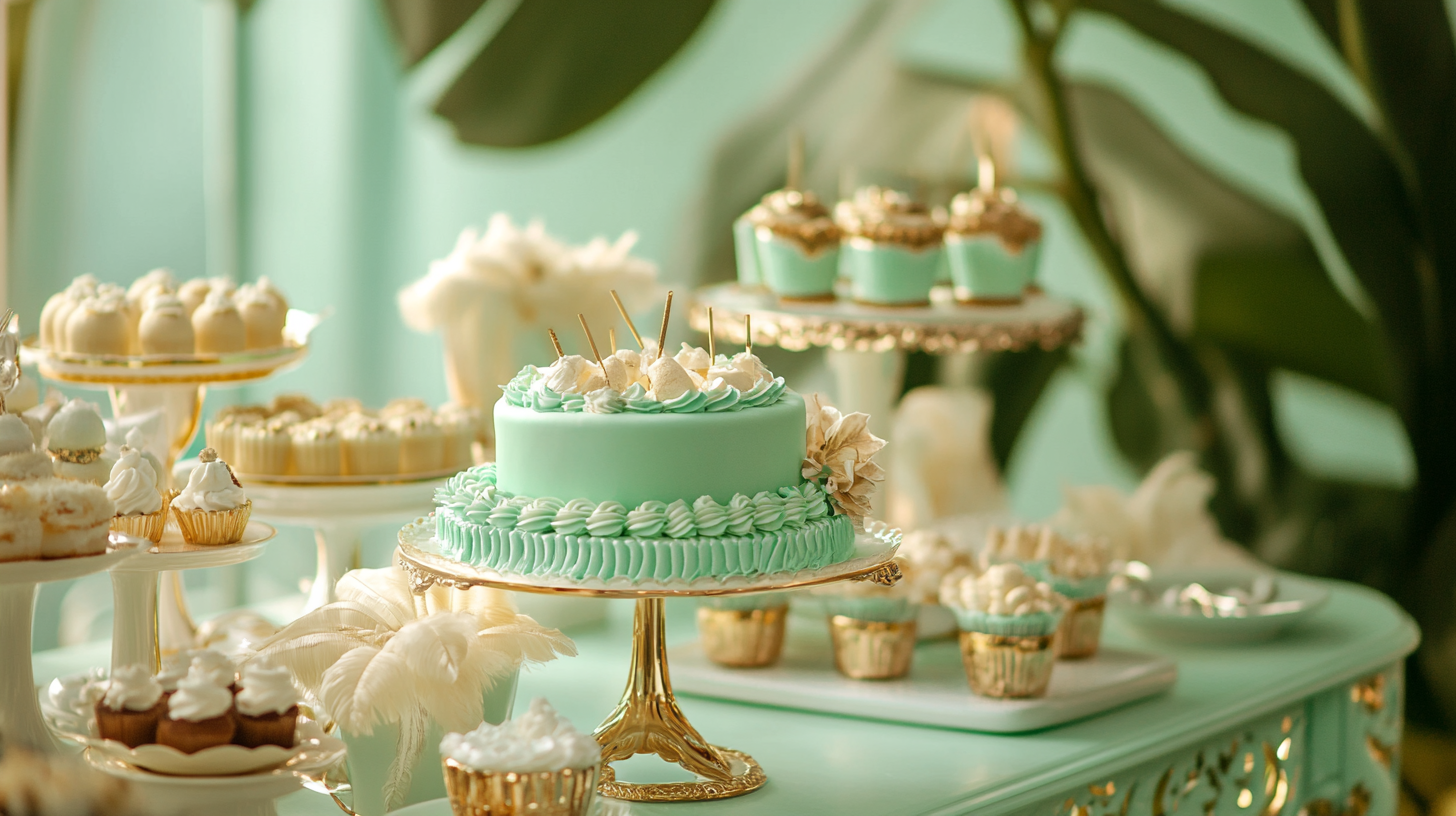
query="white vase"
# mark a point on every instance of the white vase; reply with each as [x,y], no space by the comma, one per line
[370,756]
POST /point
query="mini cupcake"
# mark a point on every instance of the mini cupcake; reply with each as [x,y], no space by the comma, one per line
[165,327]
[141,509]
[199,714]
[137,441]
[224,432]
[421,443]
[993,244]
[19,460]
[795,245]
[340,407]
[20,527]
[403,406]
[264,312]
[1008,622]
[1078,570]
[295,403]
[218,325]
[216,667]
[265,448]
[76,442]
[75,518]
[371,448]
[99,325]
[891,251]
[212,508]
[317,449]
[131,709]
[536,763]
[267,706]
[744,632]
[461,427]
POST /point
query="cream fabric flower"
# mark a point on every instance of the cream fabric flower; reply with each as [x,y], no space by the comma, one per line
[841,449]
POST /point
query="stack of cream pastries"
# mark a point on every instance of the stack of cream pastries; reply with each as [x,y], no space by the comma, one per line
[643,467]
[156,315]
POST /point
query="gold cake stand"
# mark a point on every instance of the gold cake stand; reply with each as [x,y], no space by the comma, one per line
[647,720]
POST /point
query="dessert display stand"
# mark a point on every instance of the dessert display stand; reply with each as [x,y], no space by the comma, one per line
[647,720]
[866,344]
[20,717]
[135,633]
[177,386]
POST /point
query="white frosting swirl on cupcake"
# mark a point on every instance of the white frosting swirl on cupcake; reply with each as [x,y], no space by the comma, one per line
[266,689]
[133,485]
[210,487]
[198,698]
[537,741]
[132,688]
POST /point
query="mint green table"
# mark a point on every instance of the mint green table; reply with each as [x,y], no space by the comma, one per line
[1310,721]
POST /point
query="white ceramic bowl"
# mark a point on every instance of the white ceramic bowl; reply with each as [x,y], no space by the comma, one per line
[1295,600]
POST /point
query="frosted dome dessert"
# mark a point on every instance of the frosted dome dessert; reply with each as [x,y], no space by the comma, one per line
[19,460]
[76,441]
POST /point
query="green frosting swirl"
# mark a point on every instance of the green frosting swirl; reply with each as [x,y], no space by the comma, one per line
[607,520]
[571,518]
[711,516]
[528,390]
[680,520]
[647,520]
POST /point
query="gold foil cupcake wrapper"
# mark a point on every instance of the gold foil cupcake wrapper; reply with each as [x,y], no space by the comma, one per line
[1008,665]
[743,638]
[872,650]
[567,792]
[213,527]
[1080,632]
[146,525]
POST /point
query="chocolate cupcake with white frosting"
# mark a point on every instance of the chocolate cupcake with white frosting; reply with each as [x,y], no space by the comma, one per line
[267,706]
[199,714]
[131,709]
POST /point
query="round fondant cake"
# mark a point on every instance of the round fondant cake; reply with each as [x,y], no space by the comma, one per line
[646,468]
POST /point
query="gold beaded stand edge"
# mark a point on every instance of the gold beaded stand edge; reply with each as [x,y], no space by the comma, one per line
[647,720]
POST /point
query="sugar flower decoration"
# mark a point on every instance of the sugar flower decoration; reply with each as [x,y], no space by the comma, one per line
[841,450]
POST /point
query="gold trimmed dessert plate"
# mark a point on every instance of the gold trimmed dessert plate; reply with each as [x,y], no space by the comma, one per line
[45,570]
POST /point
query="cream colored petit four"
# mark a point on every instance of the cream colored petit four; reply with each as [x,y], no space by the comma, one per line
[218,325]
[264,314]
[76,441]
[165,327]
[371,448]
[99,325]
[421,443]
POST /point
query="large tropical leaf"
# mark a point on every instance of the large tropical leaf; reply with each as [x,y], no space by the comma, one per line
[421,25]
[1017,382]
[556,66]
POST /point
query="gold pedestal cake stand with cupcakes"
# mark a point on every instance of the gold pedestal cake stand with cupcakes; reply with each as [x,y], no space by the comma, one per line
[648,720]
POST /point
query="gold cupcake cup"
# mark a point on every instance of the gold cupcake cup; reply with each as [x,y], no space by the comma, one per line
[146,525]
[871,650]
[567,792]
[743,638]
[1080,632]
[1008,666]
[213,527]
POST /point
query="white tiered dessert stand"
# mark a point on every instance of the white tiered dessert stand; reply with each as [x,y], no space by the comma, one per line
[177,385]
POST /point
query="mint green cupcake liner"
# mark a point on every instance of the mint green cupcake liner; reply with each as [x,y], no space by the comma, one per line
[879,610]
[1038,624]
[1077,589]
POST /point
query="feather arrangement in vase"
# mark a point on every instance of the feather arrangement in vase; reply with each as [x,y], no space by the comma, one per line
[383,656]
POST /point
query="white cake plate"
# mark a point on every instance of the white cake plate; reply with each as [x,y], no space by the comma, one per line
[135,635]
[20,716]
[935,693]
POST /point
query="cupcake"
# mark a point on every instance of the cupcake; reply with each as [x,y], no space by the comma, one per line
[421,443]
[216,667]
[536,763]
[165,327]
[267,706]
[223,433]
[218,325]
[265,448]
[403,406]
[264,312]
[891,251]
[76,442]
[795,245]
[75,518]
[212,509]
[19,460]
[132,488]
[99,325]
[299,404]
[461,427]
[137,441]
[317,449]
[58,308]
[199,714]
[371,448]
[131,709]
[20,527]
[1078,570]
[1008,622]
[993,244]
[340,407]
[743,632]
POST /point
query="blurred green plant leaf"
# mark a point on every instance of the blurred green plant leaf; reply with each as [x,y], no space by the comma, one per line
[556,66]
[421,25]
[1016,381]
[1279,306]
[1132,413]
[1355,181]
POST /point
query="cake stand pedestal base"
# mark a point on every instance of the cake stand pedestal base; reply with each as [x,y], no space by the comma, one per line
[20,719]
[648,721]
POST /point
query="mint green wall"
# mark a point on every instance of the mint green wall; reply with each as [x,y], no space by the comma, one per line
[349,186]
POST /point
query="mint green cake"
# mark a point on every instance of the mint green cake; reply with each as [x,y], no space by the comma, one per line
[593,481]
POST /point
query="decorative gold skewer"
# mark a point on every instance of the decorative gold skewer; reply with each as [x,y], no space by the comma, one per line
[748,333]
[591,342]
[985,173]
[631,328]
[612,338]
[556,343]
[662,335]
[712,356]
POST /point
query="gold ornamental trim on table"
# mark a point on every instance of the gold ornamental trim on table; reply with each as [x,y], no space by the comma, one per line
[800,331]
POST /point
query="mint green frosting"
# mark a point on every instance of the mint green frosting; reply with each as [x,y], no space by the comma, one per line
[528,389]
[1037,624]
[981,266]
[786,530]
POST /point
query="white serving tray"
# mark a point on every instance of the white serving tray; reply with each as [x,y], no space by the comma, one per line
[935,693]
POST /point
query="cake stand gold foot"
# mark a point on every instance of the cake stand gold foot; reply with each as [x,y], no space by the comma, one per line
[648,721]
